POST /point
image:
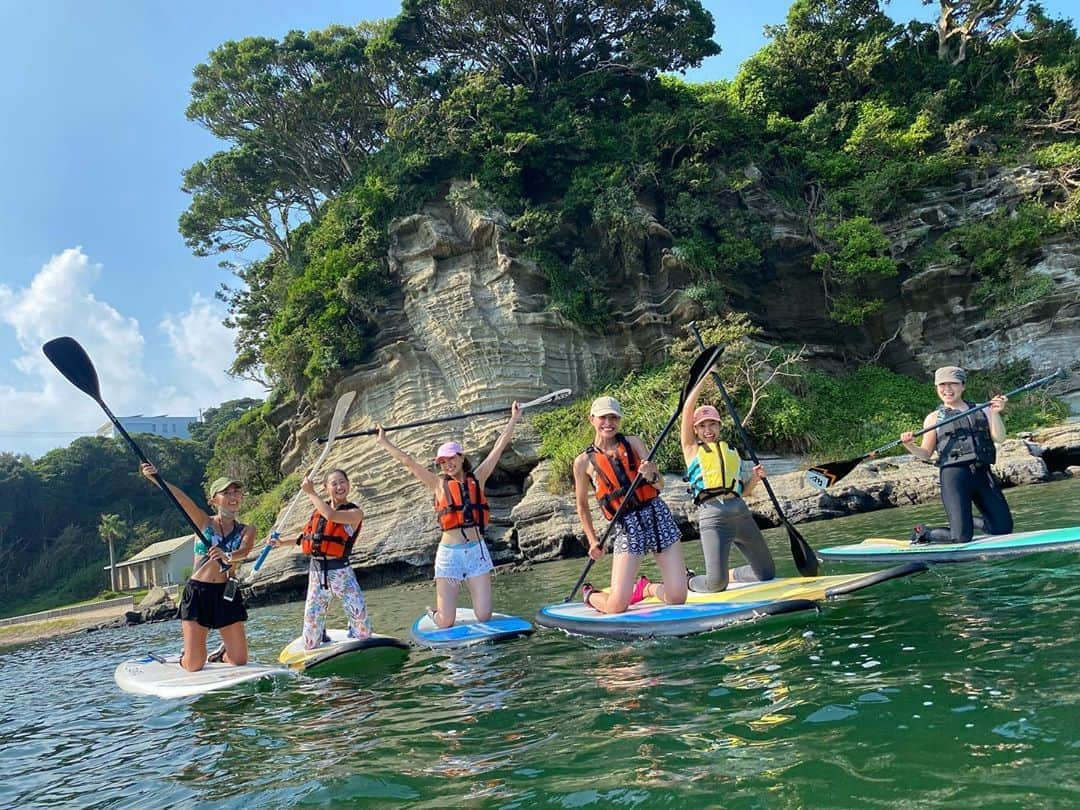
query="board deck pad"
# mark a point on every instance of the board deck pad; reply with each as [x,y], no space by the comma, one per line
[741,602]
[984,547]
[162,676]
[467,629]
[343,655]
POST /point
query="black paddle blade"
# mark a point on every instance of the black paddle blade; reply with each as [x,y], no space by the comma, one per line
[73,362]
[700,368]
[805,559]
[825,475]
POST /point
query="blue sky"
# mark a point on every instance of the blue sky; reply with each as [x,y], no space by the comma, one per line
[93,140]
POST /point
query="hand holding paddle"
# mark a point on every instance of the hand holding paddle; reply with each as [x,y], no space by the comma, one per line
[825,475]
[553,396]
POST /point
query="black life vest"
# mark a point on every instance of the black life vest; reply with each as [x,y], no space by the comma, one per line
[965,441]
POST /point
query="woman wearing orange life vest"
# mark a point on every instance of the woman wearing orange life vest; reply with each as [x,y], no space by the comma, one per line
[328,538]
[462,511]
[609,466]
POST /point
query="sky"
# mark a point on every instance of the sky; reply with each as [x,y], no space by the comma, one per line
[93,143]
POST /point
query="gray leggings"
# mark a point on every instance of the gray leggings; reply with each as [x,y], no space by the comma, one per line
[722,523]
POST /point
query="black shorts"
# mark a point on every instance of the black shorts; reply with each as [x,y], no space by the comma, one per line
[204,603]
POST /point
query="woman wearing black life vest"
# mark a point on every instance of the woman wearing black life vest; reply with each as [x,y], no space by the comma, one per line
[210,600]
[609,466]
[720,479]
[965,454]
[462,511]
[328,538]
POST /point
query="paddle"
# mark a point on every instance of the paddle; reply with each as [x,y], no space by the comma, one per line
[806,560]
[697,372]
[73,362]
[342,407]
[829,473]
[554,396]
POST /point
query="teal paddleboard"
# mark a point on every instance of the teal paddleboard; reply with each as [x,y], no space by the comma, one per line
[467,630]
[741,602]
[987,547]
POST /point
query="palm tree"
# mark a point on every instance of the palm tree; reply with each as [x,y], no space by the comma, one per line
[110,529]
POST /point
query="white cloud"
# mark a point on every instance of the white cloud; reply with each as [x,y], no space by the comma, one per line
[59,301]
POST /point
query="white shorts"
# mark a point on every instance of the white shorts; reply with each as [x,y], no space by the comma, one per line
[461,561]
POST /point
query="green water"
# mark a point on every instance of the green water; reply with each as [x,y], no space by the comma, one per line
[953,688]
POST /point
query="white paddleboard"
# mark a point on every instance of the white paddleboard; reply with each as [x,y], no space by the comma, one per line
[467,629]
[162,676]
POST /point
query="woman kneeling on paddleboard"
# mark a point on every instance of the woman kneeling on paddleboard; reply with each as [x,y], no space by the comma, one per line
[211,598]
[328,538]
[462,510]
[966,453]
[609,466]
[719,479]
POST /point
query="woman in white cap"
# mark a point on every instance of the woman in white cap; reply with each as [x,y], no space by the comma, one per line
[609,466]
[719,479]
[462,511]
[211,599]
[966,452]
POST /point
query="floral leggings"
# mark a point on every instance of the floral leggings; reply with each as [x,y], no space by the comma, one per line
[341,582]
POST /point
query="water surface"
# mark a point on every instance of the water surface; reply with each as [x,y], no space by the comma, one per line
[956,687]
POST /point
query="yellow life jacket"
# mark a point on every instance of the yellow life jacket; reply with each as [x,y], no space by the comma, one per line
[714,471]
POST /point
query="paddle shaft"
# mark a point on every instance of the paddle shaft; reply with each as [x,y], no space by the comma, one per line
[554,396]
[803,554]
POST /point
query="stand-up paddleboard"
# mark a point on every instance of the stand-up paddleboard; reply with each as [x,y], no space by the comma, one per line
[741,602]
[985,547]
[342,655]
[467,629]
[162,676]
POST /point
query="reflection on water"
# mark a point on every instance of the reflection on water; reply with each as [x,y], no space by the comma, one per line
[955,687]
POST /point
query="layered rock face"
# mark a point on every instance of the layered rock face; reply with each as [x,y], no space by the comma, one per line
[474,332]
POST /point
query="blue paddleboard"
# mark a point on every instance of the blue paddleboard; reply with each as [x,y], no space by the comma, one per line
[986,547]
[467,629]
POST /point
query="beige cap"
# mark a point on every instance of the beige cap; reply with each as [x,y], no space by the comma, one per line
[221,484]
[603,406]
[949,374]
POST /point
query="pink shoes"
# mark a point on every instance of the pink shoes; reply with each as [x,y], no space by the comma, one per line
[640,589]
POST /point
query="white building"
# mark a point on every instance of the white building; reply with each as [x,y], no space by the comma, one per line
[163,563]
[175,427]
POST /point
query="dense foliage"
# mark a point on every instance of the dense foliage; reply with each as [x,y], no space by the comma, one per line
[566,116]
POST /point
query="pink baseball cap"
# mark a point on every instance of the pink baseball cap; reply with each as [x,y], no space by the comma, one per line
[704,413]
[449,450]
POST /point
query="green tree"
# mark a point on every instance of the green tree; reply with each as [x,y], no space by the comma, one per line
[110,529]
[537,45]
[214,420]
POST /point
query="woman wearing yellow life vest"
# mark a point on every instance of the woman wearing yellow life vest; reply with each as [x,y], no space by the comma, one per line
[328,539]
[462,511]
[609,466]
[719,478]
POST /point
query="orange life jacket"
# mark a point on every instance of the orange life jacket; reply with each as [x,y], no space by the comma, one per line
[324,538]
[460,506]
[614,477]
